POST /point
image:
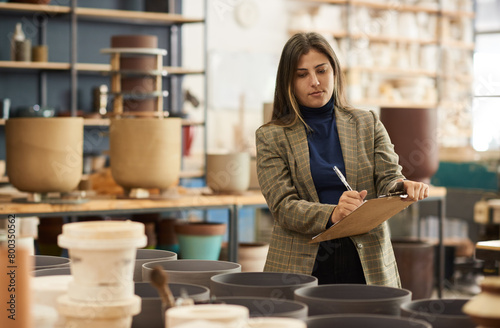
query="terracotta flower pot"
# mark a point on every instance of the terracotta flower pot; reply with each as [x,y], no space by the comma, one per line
[146,152]
[200,240]
[44,154]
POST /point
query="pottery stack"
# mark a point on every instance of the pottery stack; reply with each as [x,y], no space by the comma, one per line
[102,264]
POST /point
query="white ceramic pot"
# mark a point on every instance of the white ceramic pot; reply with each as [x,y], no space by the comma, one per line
[102,258]
[146,152]
[44,154]
[228,173]
[223,314]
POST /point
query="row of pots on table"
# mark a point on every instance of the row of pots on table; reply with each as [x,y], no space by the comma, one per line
[296,296]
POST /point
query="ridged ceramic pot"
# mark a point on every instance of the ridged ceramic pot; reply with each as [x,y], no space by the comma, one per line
[228,173]
[44,154]
[145,152]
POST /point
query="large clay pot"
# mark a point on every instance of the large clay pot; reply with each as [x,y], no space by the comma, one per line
[441,313]
[44,154]
[415,261]
[146,152]
[352,298]
[197,272]
[260,284]
[228,173]
[269,307]
[413,132]
[50,262]
[150,255]
[363,320]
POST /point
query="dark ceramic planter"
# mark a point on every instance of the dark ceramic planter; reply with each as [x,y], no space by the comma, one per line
[52,272]
[363,320]
[151,306]
[268,307]
[260,284]
[150,255]
[50,262]
[351,298]
[441,313]
[196,272]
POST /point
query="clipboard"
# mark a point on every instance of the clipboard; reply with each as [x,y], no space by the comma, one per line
[365,218]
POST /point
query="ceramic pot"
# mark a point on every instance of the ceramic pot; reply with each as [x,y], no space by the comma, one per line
[252,256]
[50,262]
[415,260]
[139,105]
[483,308]
[150,255]
[352,298]
[275,323]
[228,173]
[268,307]
[200,240]
[102,258]
[109,314]
[413,131]
[440,313]
[217,315]
[151,315]
[197,272]
[260,284]
[46,290]
[167,239]
[44,154]
[134,41]
[146,152]
[66,271]
[363,320]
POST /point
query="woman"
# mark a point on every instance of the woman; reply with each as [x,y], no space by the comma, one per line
[313,129]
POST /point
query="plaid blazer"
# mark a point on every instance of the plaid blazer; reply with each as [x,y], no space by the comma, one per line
[285,178]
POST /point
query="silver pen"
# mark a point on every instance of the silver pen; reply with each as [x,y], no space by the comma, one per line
[342,178]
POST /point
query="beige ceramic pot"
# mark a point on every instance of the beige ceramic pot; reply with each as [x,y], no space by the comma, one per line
[484,307]
[146,152]
[44,154]
[228,173]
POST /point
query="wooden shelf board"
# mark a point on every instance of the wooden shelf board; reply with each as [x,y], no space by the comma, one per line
[34,65]
[377,38]
[388,103]
[172,70]
[394,6]
[25,7]
[106,121]
[335,34]
[333,2]
[394,71]
[135,16]
[459,44]
[449,13]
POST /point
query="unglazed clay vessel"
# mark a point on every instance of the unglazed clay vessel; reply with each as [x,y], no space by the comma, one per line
[228,173]
[440,313]
[44,154]
[363,320]
[353,298]
[146,152]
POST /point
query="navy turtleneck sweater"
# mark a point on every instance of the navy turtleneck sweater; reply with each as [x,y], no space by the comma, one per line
[337,260]
[324,152]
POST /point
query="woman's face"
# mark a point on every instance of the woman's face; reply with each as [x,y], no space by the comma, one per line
[313,83]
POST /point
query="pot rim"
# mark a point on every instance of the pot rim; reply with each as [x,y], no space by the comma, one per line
[382,299]
[219,276]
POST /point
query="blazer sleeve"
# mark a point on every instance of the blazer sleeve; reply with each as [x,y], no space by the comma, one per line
[288,203]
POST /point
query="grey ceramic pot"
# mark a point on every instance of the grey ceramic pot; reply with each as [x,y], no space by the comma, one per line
[50,262]
[268,307]
[363,320]
[260,284]
[352,298]
[441,313]
[197,272]
[150,255]
[151,306]
[52,272]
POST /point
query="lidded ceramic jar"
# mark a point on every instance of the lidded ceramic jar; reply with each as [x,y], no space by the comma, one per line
[484,308]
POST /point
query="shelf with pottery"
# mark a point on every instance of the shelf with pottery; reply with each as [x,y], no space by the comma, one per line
[126,16]
[86,67]
[390,103]
[393,71]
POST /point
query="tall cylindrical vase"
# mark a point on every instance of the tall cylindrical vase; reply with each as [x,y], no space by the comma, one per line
[413,131]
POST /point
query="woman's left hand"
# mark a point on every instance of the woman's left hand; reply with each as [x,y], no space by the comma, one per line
[416,190]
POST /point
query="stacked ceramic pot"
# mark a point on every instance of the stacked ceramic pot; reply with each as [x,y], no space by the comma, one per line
[102,264]
[145,147]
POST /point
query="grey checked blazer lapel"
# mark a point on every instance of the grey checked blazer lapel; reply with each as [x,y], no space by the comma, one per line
[348,141]
[297,138]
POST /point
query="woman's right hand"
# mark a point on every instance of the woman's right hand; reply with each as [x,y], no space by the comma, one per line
[348,202]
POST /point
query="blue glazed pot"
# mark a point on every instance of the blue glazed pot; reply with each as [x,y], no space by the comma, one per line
[200,240]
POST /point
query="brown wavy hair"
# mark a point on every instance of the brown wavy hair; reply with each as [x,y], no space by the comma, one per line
[286,110]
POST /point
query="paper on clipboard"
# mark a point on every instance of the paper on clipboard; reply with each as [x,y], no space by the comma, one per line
[365,218]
